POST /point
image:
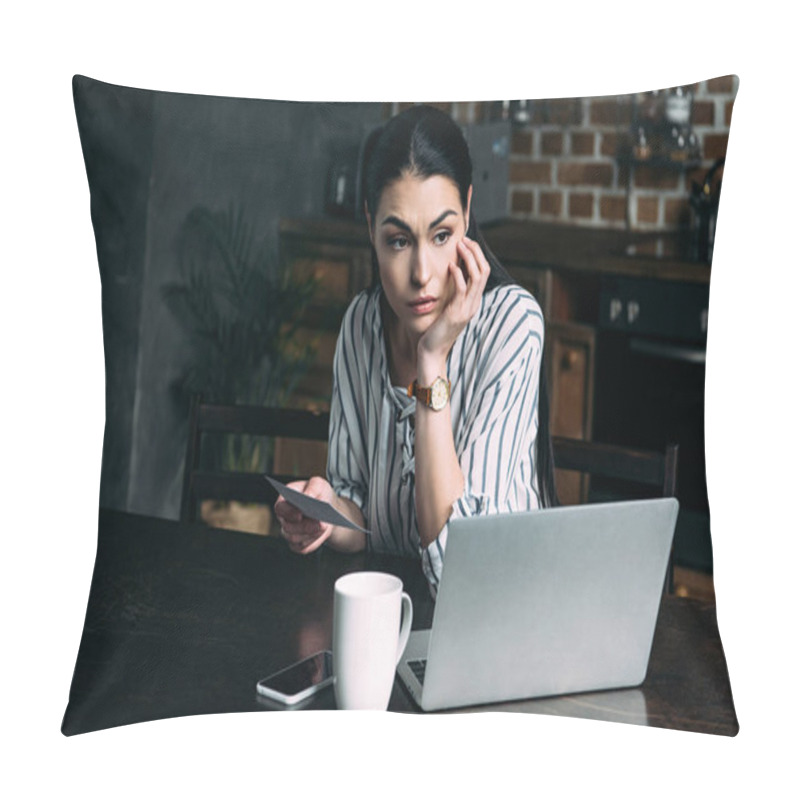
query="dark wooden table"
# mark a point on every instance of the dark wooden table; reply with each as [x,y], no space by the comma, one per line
[184,619]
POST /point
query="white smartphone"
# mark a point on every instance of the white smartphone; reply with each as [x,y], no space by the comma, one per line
[298,682]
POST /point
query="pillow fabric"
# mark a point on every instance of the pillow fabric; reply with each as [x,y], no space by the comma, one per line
[604,207]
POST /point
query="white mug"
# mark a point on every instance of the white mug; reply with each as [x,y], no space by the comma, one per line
[368,639]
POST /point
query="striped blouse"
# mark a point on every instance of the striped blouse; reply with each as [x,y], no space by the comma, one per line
[494,372]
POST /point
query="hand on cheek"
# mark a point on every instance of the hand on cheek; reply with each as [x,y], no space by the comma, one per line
[465,287]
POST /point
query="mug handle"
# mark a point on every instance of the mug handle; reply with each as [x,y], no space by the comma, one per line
[405,626]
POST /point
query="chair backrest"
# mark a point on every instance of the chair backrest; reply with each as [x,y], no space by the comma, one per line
[248,487]
[649,467]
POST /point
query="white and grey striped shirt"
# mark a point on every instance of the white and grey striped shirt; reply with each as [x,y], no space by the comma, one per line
[494,371]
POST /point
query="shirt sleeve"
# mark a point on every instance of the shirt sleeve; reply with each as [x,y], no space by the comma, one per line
[495,445]
[347,445]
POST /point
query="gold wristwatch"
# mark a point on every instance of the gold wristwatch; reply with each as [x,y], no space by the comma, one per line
[434,396]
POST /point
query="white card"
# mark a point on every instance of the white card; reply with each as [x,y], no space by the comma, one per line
[313,508]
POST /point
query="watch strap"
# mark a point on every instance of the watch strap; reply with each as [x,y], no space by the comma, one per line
[424,393]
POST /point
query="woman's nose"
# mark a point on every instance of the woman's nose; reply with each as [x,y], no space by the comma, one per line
[421,267]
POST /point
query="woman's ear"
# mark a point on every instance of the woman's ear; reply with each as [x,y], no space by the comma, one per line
[469,203]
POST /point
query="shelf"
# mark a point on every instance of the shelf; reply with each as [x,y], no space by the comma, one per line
[661,162]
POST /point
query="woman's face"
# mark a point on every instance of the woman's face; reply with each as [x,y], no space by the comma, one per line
[416,227]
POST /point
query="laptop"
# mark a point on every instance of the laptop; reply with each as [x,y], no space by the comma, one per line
[540,603]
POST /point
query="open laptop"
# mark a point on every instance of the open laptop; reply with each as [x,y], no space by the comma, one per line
[544,602]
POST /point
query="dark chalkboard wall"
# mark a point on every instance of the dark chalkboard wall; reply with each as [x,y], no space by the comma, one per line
[150,158]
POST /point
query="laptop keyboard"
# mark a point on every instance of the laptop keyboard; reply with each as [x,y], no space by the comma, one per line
[418,668]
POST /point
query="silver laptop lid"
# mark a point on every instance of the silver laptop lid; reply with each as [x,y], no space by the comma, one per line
[548,602]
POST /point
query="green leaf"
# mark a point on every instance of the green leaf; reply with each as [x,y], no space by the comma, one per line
[240,313]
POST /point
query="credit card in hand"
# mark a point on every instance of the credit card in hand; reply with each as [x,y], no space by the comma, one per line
[313,508]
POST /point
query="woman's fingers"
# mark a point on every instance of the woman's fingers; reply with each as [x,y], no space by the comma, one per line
[319,488]
[470,263]
[458,279]
[479,266]
[298,530]
[304,527]
[307,544]
[287,513]
[468,283]
[302,535]
[315,544]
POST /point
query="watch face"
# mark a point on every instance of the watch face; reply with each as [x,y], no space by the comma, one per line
[440,393]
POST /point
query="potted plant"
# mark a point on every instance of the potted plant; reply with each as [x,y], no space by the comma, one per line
[240,312]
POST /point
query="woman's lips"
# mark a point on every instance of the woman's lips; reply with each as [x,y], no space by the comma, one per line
[423,306]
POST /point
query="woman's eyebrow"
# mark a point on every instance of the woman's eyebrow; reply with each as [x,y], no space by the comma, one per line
[393,220]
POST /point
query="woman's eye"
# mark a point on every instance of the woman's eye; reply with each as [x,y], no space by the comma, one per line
[442,236]
[398,242]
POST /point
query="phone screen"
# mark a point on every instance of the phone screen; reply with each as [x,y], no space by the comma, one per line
[313,671]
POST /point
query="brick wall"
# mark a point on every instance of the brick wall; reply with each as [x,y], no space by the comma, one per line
[564,165]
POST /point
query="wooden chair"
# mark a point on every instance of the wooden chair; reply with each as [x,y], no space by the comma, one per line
[247,487]
[651,468]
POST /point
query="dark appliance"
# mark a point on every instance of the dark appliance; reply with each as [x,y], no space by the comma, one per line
[650,364]
[704,204]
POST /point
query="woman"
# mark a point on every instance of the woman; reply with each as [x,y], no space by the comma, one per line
[437,409]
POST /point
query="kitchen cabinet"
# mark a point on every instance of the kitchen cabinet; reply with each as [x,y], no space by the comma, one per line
[338,256]
[570,349]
